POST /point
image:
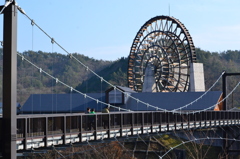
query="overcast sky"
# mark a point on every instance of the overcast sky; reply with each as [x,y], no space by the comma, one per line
[105,29]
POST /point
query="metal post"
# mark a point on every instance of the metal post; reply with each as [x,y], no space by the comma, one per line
[195,119]
[182,120]
[205,119]
[95,127]
[80,129]
[160,121]
[200,115]
[224,88]
[9,81]
[121,125]
[46,132]
[109,126]
[167,119]
[142,127]
[176,121]
[152,122]
[215,118]
[25,134]
[64,128]
[132,123]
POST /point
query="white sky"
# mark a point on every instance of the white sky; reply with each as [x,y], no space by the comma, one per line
[105,29]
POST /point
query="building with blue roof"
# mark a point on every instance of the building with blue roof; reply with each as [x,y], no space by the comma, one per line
[62,103]
[174,100]
[75,103]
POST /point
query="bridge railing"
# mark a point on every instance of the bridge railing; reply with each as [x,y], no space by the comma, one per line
[62,128]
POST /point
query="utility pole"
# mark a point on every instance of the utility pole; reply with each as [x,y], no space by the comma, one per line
[9,125]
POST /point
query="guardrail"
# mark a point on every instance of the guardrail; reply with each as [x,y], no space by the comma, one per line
[44,130]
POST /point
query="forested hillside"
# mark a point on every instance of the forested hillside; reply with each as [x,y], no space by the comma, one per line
[215,63]
[71,72]
[115,74]
[60,66]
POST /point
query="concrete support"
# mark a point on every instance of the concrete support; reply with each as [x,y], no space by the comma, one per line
[197,77]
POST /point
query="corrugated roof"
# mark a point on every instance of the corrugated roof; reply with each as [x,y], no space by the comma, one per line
[173,100]
[57,103]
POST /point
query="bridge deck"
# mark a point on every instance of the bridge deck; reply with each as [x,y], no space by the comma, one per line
[45,130]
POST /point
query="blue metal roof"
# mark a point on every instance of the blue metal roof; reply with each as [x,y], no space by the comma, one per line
[173,100]
[57,103]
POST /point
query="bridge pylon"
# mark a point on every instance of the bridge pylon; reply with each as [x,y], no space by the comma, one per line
[9,126]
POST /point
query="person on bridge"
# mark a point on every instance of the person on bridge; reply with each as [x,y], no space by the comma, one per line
[92,119]
[88,110]
[88,121]
[105,118]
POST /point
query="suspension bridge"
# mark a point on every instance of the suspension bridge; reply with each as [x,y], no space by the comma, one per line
[24,132]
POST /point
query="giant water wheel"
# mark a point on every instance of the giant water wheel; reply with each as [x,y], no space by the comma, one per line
[165,44]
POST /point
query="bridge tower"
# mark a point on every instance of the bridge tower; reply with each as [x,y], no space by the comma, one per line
[9,80]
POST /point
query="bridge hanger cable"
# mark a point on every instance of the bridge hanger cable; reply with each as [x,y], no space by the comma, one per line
[71,88]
